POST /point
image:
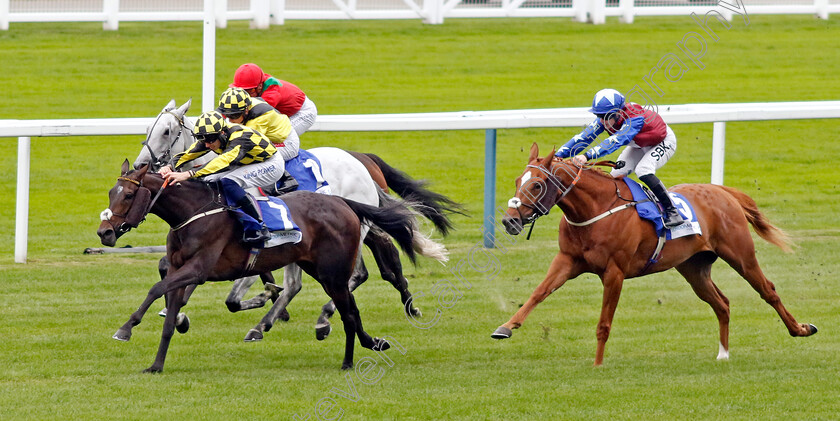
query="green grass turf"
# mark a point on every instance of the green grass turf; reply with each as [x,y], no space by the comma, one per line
[59,310]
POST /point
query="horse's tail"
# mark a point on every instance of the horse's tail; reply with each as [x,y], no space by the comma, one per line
[762,226]
[433,206]
[393,217]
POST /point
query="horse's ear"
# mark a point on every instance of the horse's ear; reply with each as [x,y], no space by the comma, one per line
[170,106]
[125,167]
[535,152]
[182,110]
[141,172]
[546,162]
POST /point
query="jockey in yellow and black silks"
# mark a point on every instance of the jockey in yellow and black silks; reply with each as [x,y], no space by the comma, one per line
[246,158]
[238,107]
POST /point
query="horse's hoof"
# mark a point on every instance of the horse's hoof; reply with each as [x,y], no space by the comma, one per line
[253,335]
[502,333]
[283,316]
[153,370]
[380,344]
[162,313]
[182,323]
[345,367]
[416,312]
[322,332]
[122,336]
[813,329]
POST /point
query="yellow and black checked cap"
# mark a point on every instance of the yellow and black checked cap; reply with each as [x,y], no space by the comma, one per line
[233,101]
[210,122]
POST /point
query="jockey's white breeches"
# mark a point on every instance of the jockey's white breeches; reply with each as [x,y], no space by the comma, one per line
[646,160]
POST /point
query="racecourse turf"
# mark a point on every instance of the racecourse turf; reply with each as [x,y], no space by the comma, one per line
[59,310]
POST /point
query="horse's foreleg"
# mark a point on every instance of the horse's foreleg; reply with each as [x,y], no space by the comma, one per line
[562,268]
[240,287]
[698,274]
[180,278]
[613,280]
[174,299]
[291,286]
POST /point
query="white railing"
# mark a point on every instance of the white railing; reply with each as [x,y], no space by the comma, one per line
[262,13]
[718,114]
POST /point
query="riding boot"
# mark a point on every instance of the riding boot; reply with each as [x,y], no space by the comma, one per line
[671,216]
[236,196]
[286,184]
[249,206]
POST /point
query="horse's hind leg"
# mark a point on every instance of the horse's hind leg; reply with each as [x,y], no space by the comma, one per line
[322,325]
[388,260]
[739,252]
[697,271]
[352,321]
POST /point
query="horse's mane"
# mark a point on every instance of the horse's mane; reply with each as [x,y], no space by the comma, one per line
[593,167]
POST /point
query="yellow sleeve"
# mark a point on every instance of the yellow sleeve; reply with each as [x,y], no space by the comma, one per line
[196,150]
[275,126]
[219,163]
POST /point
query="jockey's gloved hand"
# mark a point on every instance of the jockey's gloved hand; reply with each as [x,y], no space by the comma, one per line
[620,164]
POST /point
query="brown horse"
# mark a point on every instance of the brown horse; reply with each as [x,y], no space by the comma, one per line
[620,245]
[204,245]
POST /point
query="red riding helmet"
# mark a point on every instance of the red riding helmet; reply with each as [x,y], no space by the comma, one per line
[247,76]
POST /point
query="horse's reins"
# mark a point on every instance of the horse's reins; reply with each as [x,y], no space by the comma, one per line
[148,209]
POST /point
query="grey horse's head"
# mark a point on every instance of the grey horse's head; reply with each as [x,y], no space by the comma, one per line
[169,134]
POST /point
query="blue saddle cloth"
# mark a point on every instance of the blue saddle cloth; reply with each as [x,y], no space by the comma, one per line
[276,215]
[306,169]
[651,211]
[277,218]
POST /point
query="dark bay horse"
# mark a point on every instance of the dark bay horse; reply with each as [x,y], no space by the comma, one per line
[204,245]
[351,175]
[619,245]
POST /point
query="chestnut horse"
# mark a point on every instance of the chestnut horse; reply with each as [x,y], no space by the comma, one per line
[595,237]
[204,245]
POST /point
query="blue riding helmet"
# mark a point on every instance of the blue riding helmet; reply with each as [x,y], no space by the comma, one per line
[607,101]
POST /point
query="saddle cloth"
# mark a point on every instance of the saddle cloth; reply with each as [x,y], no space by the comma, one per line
[306,169]
[277,219]
[649,209]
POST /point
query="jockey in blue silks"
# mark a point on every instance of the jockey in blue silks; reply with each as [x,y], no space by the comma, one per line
[650,144]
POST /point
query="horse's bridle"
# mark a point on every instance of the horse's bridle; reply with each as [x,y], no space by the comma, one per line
[157,162]
[140,215]
[541,209]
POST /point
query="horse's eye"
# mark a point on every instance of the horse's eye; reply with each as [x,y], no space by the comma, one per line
[166,132]
[129,196]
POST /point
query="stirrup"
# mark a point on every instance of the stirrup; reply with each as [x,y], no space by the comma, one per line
[256,236]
